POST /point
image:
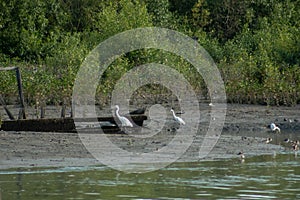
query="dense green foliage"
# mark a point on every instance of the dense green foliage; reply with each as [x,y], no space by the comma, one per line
[255,44]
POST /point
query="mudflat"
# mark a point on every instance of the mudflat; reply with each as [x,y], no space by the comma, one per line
[246,129]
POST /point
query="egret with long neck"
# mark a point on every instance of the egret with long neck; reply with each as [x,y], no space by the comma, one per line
[177,119]
[124,121]
[274,127]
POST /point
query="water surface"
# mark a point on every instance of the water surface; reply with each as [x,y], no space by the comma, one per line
[260,177]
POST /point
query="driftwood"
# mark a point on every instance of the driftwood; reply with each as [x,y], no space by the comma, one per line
[107,124]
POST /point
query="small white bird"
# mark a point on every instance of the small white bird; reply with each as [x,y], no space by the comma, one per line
[287,140]
[124,121]
[295,145]
[242,155]
[274,127]
[268,140]
[177,119]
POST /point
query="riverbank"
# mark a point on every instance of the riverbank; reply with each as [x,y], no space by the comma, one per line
[245,129]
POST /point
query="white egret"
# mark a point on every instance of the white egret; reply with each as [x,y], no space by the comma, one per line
[177,119]
[274,127]
[124,121]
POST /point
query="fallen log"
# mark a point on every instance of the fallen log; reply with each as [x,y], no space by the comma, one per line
[107,124]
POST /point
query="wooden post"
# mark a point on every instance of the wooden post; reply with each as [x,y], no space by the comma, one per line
[72,111]
[20,89]
[22,113]
[42,111]
[63,110]
[6,109]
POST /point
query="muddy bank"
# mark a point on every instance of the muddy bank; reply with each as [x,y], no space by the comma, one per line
[245,129]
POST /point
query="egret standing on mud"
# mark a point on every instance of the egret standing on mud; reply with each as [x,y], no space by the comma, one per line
[274,127]
[124,121]
[177,119]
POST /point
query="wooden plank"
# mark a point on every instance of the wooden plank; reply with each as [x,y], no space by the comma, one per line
[7,68]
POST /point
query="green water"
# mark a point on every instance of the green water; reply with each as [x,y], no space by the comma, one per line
[261,177]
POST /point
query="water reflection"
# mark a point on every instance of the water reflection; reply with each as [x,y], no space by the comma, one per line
[258,177]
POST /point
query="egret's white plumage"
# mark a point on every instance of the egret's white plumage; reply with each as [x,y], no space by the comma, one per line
[274,127]
[124,121]
[177,119]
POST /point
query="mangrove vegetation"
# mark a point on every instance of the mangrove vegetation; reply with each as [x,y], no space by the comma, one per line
[255,44]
